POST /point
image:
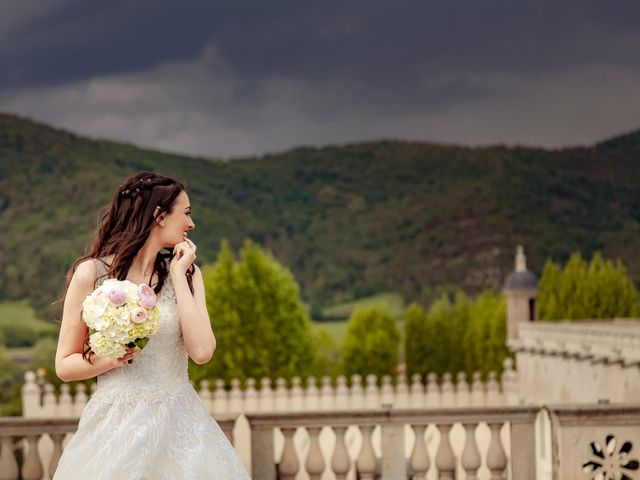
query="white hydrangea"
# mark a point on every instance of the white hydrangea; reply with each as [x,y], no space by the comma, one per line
[107,311]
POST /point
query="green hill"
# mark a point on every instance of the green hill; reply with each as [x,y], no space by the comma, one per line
[349,221]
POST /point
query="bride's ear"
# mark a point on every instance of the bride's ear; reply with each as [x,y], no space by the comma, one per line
[159,218]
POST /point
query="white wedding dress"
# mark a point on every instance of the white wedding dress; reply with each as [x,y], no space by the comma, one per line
[146,422]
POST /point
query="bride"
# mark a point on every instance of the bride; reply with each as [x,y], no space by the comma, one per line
[144,421]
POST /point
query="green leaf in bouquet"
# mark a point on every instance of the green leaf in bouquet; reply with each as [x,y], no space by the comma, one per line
[141,342]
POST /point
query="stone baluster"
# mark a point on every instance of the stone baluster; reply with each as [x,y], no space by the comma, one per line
[432,395]
[32,466]
[447,389]
[366,462]
[289,464]
[342,393]
[80,399]
[357,399]
[402,392]
[235,397]
[340,462]
[493,391]
[510,383]
[251,396]
[417,391]
[65,403]
[49,401]
[266,396]
[93,386]
[445,459]
[327,400]
[30,396]
[420,456]
[206,396]
[57,439]
[496,458]
[477,391]
[463,394]
[8,465]
[220,398]
[372,395]
[282,402]
[315,460]
[297,395]
[386,392]
[312,395]
[470,459]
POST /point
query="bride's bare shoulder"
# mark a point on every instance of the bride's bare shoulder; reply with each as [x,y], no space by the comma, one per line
[86,272]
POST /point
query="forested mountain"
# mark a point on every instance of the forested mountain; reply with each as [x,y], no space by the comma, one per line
[348,220]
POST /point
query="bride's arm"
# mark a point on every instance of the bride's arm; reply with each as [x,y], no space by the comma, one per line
[197,333]
[70,365]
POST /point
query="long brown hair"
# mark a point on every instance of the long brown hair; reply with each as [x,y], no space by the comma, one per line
[125,224]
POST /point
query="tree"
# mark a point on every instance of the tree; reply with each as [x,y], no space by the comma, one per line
[262,328]
[600,289]
[549,301]
[9,386]
[371,344]
[441,332]
[327,354]
[485,338]
[573,288]
[416,340]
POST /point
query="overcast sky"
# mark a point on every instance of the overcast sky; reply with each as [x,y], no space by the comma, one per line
[230,78]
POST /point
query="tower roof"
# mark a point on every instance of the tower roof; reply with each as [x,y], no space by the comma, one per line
[521,279]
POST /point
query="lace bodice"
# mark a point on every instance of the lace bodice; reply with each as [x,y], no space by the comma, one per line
[161,366]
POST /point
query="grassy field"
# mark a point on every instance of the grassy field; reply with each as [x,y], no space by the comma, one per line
[393,301]
[337,330]
[12,312]
[19,312]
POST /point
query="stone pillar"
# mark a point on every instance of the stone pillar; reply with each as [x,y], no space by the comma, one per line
[262,458]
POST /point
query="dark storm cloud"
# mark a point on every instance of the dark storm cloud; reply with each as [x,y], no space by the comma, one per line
[384,44]
[242,77]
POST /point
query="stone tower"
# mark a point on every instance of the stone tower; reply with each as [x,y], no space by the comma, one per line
[521,291]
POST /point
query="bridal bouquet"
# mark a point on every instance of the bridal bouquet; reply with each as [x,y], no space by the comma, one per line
[120,314]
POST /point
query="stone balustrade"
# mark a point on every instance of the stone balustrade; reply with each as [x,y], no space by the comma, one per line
[21,445]
[394,462]
[368,393]
[479,443]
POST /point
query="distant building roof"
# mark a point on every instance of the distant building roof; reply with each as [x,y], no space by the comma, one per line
[521,281]
[521,278]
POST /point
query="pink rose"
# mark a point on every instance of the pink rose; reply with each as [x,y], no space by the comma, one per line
[147,296]
[117,297]
[138,315]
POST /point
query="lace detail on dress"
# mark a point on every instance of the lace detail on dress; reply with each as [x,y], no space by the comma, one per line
[160,369]
[145,421]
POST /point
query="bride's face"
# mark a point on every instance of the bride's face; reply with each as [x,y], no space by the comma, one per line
[178,222]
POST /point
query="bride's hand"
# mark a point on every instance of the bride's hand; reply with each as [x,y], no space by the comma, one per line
[130,355]
[184,253]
